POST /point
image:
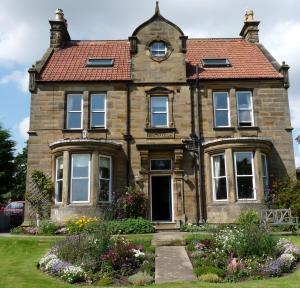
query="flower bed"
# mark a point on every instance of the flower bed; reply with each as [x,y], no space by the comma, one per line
[97,256]
[241,252]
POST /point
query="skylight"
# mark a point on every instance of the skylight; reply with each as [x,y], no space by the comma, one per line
[216,62]
[100,62]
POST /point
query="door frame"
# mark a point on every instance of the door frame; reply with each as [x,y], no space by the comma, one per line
[172,200]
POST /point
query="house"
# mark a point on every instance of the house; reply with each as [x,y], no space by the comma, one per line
[199,125]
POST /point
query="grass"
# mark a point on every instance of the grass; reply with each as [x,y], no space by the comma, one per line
[19,256]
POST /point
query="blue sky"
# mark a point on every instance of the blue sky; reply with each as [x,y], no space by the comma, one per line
[24,37]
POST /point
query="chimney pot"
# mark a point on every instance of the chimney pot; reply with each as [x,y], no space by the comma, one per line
[250,29]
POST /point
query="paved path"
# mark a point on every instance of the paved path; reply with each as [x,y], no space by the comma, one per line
[169,239]
[173,265]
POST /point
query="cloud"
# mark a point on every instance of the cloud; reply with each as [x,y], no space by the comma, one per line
[23,128]
[21,78]
[297,161]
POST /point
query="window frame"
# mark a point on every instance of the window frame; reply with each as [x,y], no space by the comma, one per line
[89,179]
[158,50]
[91,110]
[265,172]
[58,180]
[166,112]
[157,159]
[215,64]
[213,177]
[221,109]
[75,111]
[245,109]
[92,62]
[253,175]
[110,179]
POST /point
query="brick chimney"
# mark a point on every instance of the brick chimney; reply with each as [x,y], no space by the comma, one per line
[59,34]
[250,29]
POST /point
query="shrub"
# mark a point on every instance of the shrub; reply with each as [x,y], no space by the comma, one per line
[73,274]
[47,227]
[212,278]
[284,246]
[140,279]
[104,282]
[202,270]
[78,225]
[248,218]
[17,230]
[131,226]
[194,228]
[148,267]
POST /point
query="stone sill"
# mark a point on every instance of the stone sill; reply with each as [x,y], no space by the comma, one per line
[161,130]
[224,128]
[72,130]
[98,130]
[248,128]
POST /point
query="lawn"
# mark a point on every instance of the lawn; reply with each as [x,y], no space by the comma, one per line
[20,255]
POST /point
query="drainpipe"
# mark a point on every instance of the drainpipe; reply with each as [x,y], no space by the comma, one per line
[200,156]
[128,136]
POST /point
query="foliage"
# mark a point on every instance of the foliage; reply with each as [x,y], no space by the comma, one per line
[284,246]
[212,278]
[47,227]
[201,270]
[286,194]
[140,279]
[248,218]
[282,264]
[81,224]
[73,274]
[16,230]
[19,177]
[131,226]
[7,147]
[104,281]
[195,228]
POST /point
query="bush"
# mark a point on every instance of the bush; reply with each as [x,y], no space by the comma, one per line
[131,226]
[47,227]
[73,274]
[17,230]
[248,218]
[194,228]
[212,278]
[140,279]
[79,225]
[209,270]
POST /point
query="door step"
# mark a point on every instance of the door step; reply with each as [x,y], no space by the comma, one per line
[172,226]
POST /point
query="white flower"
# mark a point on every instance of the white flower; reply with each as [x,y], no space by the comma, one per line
[138,253]
[46,259]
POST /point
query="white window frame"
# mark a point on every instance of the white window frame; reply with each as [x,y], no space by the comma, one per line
[98,111]
[110,178]
[222,109]
[89,178]
[75,111]
[253,175]
[58,180]
[214,177]
[265,172]
[166,112]
[157,159]
[165,50]
[245,109]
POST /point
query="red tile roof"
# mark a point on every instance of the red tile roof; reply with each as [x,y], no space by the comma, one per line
[247,60]
[69,64]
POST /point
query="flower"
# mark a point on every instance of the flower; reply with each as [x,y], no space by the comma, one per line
[138,253]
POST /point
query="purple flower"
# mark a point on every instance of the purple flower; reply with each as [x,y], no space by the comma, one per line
[58,267]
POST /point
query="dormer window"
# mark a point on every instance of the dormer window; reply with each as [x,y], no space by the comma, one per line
[100,62]
[216,62]
[158,49]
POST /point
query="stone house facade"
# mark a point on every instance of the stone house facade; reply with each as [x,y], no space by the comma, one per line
[199,125]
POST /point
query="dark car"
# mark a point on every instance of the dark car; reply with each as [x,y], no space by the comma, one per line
[15,212]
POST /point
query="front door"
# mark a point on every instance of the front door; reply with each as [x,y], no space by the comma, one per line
[161,198]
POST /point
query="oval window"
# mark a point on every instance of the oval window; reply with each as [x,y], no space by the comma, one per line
[158,49]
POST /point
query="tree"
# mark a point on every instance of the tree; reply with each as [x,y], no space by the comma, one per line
[19,185]
[7,147]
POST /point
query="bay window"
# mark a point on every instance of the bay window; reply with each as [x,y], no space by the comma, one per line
[219,177]
[58,179]
[98,110]
[74,111]
[80,178]
[105,176]
[221,109]
[159,111]
[244,174]
[245,108]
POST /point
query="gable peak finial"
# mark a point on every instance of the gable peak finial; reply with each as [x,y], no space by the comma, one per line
[157,8]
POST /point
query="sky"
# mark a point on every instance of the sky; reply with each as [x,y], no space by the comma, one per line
[24,37]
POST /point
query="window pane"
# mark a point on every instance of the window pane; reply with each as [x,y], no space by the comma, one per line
[74,102]
[81,165]
[245,116]
[104,167]
[244,99]
[80,190]
[222,118]
[219,166]
[159,104]
[98,102]
[74,120]
[59,168]
[58,191]
[163,164]
[245,188]
[244,163]
[264,164]
[104,190]
[98,119]
[159,120]
[220,189]
[220,100]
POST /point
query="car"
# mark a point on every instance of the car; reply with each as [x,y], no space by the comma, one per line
[15,212]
